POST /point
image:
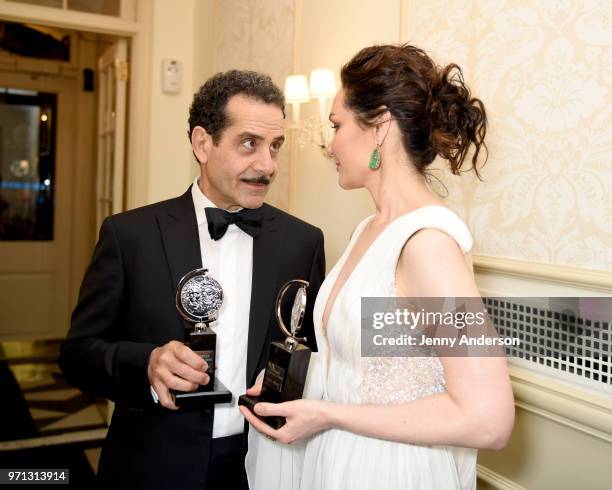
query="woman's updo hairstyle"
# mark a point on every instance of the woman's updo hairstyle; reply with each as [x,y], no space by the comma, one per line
[432,105]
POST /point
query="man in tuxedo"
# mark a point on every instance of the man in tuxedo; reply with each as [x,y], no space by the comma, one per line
[126,337]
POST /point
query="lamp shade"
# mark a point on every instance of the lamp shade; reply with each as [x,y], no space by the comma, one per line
[322,83]
[296,89]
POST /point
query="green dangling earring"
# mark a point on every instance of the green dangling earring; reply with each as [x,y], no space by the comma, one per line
[374,160]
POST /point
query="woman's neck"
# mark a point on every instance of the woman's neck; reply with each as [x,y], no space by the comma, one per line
[398,188]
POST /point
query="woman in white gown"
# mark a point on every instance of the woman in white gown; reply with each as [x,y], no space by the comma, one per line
[391,422]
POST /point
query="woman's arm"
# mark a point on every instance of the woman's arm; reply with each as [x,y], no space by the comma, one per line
[482,418]
[477,409]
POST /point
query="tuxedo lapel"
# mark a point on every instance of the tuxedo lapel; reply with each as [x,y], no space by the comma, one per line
[263,288]
[179,232]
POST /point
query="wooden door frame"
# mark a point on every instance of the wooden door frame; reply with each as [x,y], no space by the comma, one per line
[65,184]
[140,35]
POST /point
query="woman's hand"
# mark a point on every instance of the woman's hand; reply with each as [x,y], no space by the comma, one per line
[255,390]
[303,419]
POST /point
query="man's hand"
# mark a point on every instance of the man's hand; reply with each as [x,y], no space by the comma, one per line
[175,366]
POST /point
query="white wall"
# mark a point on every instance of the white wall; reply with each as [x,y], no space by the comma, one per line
[256,35]
[329,33]
[170,158]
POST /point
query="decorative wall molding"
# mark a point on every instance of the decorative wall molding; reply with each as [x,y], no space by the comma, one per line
[572,276]
[69,19]
[495,479]
[573,407]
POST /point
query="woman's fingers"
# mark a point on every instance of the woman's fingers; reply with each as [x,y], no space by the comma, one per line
[258,424]
[255,390]
[272,409]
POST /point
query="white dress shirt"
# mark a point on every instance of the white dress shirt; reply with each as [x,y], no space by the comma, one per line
[229,260]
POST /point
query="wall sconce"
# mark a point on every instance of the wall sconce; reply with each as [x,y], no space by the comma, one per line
[298,91]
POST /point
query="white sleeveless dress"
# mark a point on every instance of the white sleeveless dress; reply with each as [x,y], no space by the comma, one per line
[337,459]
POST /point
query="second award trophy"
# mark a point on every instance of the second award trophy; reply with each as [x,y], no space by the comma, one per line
[288,361]
[198,299]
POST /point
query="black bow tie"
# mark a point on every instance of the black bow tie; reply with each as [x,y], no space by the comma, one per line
[248,220]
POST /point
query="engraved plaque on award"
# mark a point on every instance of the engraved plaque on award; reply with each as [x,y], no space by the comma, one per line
[288,361]
[198,299]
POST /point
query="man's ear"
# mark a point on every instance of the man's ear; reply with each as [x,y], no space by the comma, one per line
[201,143]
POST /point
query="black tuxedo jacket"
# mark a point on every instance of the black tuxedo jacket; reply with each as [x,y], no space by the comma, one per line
[126,308]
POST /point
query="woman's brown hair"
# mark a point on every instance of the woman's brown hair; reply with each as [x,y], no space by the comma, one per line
[432,105]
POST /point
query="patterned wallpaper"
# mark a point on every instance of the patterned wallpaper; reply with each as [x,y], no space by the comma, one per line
[544,71]
[258,35]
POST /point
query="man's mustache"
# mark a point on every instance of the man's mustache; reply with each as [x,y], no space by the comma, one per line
[262,179]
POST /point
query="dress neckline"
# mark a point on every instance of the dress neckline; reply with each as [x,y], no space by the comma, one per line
[347,253]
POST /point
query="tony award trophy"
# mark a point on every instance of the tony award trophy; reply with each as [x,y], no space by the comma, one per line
[288,361]
[198,299]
